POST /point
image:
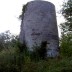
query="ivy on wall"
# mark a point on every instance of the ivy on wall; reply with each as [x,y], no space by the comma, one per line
[24,8]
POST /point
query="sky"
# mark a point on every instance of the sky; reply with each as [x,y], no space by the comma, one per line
[11,9]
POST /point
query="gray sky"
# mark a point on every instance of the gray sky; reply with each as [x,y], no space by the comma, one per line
[11,9]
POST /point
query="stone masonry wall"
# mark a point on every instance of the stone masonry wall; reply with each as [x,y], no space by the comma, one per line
[39,25]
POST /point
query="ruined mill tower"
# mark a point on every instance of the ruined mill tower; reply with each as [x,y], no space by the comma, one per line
[39,25]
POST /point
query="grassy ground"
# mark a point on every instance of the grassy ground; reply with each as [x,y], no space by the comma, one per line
[11,60]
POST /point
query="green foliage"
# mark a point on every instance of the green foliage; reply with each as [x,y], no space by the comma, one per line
[66,45]
[67,14]
[5,40]
[66,27]
[15,54]
[23,11]
[67,9]
[17,58]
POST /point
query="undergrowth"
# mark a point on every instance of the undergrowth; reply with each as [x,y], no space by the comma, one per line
[15,57]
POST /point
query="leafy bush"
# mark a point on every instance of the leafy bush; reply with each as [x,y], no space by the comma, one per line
[15,57]
[66,45]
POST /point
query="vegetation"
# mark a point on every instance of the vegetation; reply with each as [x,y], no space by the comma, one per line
[67,14]
[15,57]
[66,27]
[24,8]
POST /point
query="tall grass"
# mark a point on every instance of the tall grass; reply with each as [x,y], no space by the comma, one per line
[12,60]
[15,57]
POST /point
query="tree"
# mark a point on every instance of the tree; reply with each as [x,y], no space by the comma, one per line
[67,14]
[66,27]
[7,40]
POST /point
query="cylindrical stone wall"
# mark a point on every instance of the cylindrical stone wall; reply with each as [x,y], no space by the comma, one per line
[40,25]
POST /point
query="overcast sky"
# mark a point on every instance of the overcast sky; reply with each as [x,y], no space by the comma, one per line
[11,9]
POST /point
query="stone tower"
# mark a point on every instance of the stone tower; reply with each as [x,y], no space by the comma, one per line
[39,25]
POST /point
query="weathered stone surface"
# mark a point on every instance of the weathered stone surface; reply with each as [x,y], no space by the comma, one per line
[39,25]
